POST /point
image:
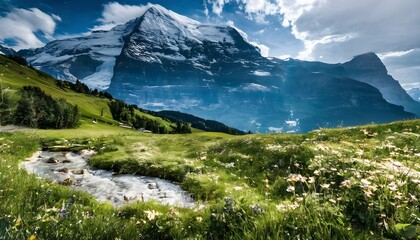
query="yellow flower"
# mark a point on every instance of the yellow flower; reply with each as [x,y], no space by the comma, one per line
[18,222]
[32,237]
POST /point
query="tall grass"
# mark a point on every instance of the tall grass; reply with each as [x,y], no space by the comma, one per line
[353,183]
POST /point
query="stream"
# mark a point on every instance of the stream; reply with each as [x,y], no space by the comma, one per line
[71,169]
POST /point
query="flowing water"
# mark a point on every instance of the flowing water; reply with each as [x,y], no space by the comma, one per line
[72,169]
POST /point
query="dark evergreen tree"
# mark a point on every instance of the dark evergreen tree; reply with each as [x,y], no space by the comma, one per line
[36,109]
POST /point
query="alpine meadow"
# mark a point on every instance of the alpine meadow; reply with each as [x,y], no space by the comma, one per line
[214,120]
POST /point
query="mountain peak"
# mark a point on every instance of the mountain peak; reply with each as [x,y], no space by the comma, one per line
[157,10]
[368,62]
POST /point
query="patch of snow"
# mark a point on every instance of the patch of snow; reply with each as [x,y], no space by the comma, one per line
[177,57]
[261,73]
[255,87]
[101,79]
[291,123]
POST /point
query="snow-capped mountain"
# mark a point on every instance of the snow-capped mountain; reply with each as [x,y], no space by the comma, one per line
[162,60]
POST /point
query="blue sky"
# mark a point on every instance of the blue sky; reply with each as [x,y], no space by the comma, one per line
[319,30]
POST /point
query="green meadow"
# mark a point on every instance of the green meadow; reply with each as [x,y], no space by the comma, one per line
[349,183]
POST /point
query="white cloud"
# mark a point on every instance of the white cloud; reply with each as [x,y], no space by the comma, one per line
[337,30]
[217,6]
[404,66]
[206,9]
[340,29]
[115,13]
[264,50]
[21,25]
[256,9]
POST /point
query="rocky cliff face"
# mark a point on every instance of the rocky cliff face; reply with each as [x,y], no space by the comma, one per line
[162,60]
[369,69]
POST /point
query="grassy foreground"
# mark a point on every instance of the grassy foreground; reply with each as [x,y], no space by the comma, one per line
[352,183]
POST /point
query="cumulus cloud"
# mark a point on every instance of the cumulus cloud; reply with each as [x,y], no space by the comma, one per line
[21,25]
[217,6]
[264,50]
[404,65]
[115,13]
[256,9]
[337,30]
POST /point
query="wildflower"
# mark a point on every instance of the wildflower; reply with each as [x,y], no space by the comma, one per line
[368,193]
[290,189]
[397,164]
[317,172]
[32,237]
[398,196]
[346,183]
[151,215]
[332,201]
[392,186]
[63,213]
[257,209]
[294,206]
[325,185]
[281,207]
[237,188]
[311,180]
[295,178]
[364,183]
[199,219]
[18,222]
[359,152]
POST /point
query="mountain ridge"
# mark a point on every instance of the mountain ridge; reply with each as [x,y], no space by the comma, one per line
[165,61]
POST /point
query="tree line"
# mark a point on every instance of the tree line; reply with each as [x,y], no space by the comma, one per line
[80,87]
[32,107]
[123,112]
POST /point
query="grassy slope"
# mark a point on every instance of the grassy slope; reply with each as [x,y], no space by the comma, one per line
[352,183]
[15,76]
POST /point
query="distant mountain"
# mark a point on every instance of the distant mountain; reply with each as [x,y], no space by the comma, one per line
[414,93]
[165,61]
[368,68]
[7,51]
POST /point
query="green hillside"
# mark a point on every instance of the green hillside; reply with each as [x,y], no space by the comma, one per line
[14,76]
[349,183]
